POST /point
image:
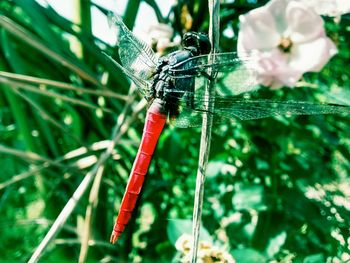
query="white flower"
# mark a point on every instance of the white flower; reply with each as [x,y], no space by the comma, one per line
[183,243]
[160,34]
[288,38]
[329,7]
[207,252]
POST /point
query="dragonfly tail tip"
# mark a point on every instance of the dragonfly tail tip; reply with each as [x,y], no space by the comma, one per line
[114,237]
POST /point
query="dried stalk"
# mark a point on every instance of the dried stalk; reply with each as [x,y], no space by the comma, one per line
[46,116]
[18,80]
[66,211]
[91,208]
[121,127]
[214,7]
[46,163]
[35,89]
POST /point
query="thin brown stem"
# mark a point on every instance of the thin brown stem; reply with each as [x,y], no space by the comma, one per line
[34,89]
[214,6]
[89,215]
[59,85]
[121,127]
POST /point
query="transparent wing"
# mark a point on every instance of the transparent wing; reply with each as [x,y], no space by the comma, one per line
[143,86]
[227,108]
[234,75]
[257,109]
[135,55]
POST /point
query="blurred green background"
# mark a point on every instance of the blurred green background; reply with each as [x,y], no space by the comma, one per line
[277,189]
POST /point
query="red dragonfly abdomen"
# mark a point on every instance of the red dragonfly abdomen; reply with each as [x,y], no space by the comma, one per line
[154,124]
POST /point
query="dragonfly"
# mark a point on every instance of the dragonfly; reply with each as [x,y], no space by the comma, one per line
[175,87]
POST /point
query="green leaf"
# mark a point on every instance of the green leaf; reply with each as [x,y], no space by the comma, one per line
[249,197]
[317,258]
[247,255]
[275,244]
[214,168]
[172,146]
[177,228]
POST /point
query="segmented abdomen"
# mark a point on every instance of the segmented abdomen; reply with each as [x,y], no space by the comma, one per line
[154,124]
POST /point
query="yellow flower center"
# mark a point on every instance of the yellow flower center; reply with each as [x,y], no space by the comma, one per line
[285,44]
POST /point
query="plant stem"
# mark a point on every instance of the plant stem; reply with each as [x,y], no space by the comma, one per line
[120,129]
[214,7]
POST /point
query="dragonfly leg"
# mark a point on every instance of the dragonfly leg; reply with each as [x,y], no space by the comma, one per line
[206,75]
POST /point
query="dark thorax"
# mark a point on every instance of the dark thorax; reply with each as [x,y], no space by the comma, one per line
[166,88]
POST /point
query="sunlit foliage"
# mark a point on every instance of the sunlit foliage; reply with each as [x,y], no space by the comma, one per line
[277,189]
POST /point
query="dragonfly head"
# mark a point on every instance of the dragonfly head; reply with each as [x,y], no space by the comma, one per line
[198,42]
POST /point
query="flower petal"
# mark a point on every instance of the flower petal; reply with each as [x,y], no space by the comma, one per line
[312,56]
[276,9]
[257,31]
[329,7]
[263,30]
[274,71]
[303,23]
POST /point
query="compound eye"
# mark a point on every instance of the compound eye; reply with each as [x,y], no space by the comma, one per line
[199,41]
[189,40]
[205,45]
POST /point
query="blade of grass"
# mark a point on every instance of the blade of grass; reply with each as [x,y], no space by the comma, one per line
[120,128]
[26,155]
[24,35]
[92,243]
[155,7]
[23,125]
[37,221]
[31,88]
[214,6]
[46,116]
[61,85]
[37,124]
[84,14]
[87,40]
[34,169]
[131,11]
[89,215]
[39,24]
[66,211]
[19,177]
